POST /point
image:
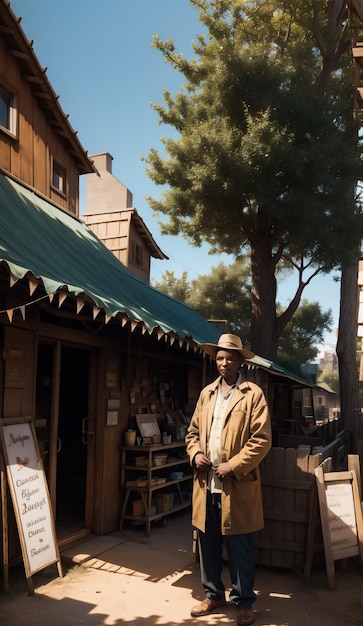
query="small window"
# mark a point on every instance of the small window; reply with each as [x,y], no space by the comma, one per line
[7,111]
[306,397]
[136,254]
[59,177]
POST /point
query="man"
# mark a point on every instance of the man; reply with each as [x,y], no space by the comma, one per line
[228,436]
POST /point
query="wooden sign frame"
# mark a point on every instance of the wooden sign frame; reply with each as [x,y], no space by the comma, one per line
[341,517]
[30,496]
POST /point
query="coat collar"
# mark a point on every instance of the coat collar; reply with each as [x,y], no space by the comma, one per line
[213,387]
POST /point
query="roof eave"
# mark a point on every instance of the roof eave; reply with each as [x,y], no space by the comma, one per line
[20,47]
[146,235]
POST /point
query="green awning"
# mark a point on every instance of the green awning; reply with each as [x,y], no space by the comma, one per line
[64,253]
[278,370]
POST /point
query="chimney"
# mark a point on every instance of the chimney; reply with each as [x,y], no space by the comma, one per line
[103,161]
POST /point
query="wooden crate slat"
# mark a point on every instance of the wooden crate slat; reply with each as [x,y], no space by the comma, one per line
[277,528]
[295,548]
[287,517]
[302,498]
[314,539]
[287,483]
[266,469]
[302,457]
[289,513]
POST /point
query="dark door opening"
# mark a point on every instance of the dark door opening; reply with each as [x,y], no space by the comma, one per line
[61,412]
[72,449]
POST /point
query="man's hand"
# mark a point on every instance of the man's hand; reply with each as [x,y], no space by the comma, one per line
[202,463]
[223,470]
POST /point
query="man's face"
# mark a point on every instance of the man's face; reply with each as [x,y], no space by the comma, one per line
[228,362]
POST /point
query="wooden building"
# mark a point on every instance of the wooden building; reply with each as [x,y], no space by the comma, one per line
[112,217]
[86,342]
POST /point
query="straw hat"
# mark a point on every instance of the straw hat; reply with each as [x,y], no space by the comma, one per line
[227,342]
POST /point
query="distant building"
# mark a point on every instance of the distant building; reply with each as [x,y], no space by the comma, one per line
[310,371]
[326,404]
[113,219]
[330,360]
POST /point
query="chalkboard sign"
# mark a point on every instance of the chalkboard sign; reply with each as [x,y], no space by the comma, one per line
[30,496]
[341,517]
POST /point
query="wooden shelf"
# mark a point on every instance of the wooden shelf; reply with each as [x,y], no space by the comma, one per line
[156,467]
[169,488]
[139,519]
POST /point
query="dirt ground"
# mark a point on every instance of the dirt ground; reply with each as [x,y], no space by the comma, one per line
[127,578]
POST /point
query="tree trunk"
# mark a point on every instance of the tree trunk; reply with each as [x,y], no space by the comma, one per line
[264,290]
[347,348]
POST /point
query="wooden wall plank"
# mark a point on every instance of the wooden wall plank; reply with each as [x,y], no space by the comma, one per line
[302,498]
[277,526]
[289,508]
[287,480]
[266,469]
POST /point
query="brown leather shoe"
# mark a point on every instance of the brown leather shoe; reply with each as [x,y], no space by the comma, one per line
[245,617]
[206,607]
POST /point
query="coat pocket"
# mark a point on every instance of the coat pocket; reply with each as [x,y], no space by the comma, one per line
[237,420]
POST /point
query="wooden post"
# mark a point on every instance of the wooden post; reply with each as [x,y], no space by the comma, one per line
[4,515]
[311,547]
[354,466]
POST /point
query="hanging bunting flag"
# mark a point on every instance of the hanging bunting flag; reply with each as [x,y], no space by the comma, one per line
[10,314]
[33,284]
[21,307]
[62,295]
[95,311]
[80,304]
[13,280]
[133,325]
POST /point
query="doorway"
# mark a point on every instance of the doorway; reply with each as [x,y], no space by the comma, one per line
[62,402]
[72,445]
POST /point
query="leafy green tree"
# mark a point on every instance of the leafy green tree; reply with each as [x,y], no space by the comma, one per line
[330,377]
[177,288]
[262,162]
[265,160]
[304,332]
[224,294]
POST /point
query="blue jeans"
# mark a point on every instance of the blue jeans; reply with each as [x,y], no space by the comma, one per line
[240,559]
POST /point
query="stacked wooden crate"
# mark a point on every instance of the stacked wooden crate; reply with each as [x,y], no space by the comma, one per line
[287,483]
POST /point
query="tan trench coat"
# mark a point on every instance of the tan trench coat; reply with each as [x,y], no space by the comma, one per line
[246,440]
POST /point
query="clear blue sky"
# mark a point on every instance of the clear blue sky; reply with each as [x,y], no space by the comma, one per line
[101,63]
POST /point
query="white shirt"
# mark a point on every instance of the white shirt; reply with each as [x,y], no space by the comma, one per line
[214,442]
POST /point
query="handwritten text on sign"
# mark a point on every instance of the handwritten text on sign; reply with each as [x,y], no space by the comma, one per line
[341,515]
[31,495]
